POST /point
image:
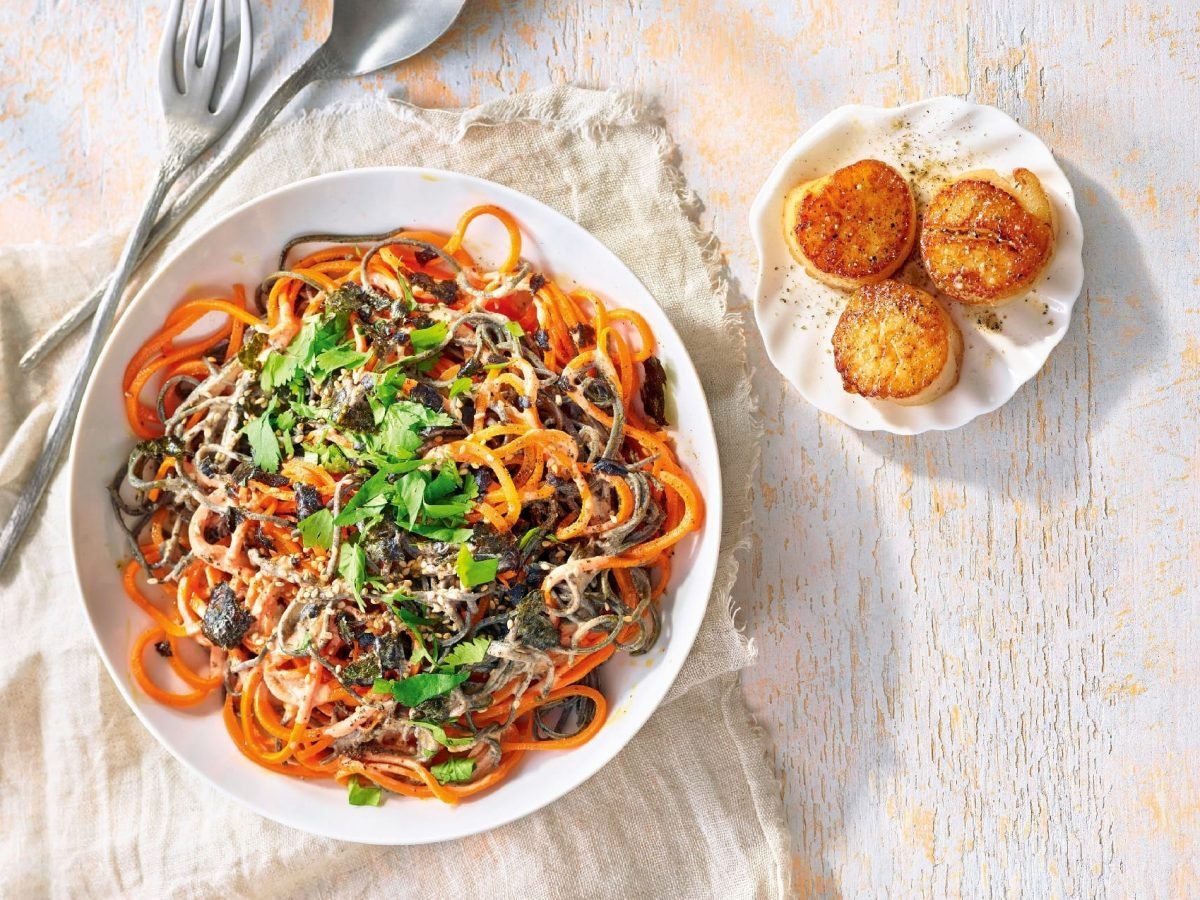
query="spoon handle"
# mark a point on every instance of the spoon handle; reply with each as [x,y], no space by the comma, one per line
[312,69]
[64,419]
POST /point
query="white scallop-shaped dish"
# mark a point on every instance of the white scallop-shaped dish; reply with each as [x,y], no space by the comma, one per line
[930,142]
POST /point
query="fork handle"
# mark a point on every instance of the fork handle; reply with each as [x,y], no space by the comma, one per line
[316,67]
[64,419]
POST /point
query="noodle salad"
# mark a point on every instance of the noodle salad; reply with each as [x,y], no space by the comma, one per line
[405,508]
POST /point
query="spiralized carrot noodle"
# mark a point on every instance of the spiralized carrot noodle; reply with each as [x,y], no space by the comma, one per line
[408,530]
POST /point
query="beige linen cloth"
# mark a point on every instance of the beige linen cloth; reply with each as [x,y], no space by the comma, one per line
[91,805]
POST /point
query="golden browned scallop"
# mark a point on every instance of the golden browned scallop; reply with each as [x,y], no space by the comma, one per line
[985,240]
[853,227]
[896,342]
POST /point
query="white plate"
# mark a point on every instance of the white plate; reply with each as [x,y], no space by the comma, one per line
[243,247]
[930,142]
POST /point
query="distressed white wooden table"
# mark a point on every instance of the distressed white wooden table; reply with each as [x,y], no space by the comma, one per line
[979,658]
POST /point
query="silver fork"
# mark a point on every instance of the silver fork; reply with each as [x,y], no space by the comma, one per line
[195,115]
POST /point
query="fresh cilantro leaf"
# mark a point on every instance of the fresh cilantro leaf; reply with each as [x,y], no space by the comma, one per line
[393,601]
[368,794]
[439,735]
[443,533]
[454,508]
[410,302]
[454,769]
[376,486]
[528,537]
[467,652]
[472,571]
[280,368]
[428,338]
[277,370]
[459,386]
[333,459]
[317,530]
[307,411]
[447,481]
[389,385]
[400,431]
[327,334]
[413,623]
[263,442]
[352,566]
[515,329]
[286,420]
[410,491]
[416,689]
[423,415]
[330,361]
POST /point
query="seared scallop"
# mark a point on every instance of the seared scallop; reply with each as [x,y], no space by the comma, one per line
[896,342]
[984,239]
[853,227]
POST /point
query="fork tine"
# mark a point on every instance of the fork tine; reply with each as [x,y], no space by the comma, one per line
[166,53]
[236,90]
[207,79]
[191,47]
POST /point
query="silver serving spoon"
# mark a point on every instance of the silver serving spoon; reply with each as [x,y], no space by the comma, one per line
[367,35]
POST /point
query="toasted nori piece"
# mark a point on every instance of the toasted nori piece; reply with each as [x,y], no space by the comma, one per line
[489,542]
[654,390]
[532,623]
[353,297]
[345,627]
[252,347]
[159,447]
[435,709]
[390,650]
[308,500]
[363,670]
[352,409]
[248,472]
[541,338]
[226,621]
[484,478]
[605,466]
[427,396]
[583,334]
[382,544]
[537,281]
[445,291]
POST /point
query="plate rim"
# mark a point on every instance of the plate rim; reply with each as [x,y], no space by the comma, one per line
[820,130]
[638,714]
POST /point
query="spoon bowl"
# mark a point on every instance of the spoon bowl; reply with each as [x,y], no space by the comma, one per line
[368,35]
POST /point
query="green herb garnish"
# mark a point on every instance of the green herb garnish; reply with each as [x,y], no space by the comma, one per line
[472,571]
[317,530]
[416,689]
[429,338]
[453,770]
[352,566]
[439,735]
[365,794]
[467,653]
[264,445]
